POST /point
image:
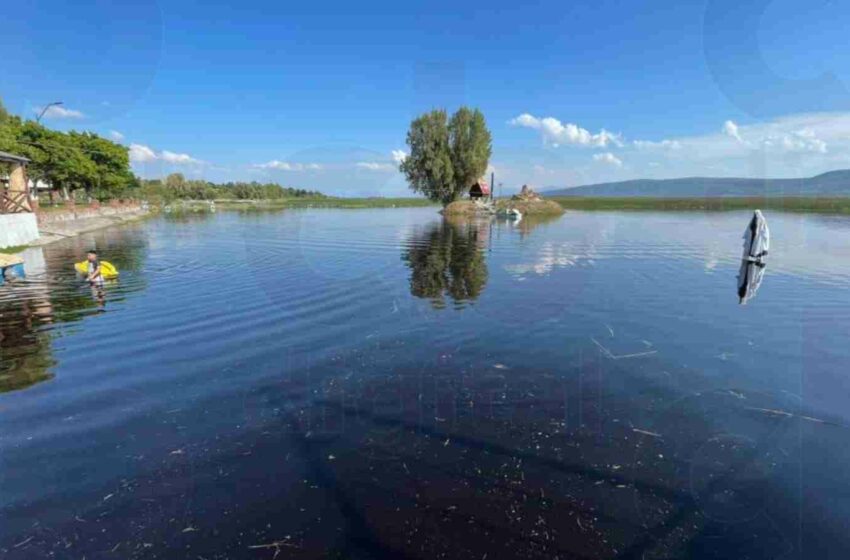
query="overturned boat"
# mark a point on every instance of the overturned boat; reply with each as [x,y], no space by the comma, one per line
[756,246]
[756,238]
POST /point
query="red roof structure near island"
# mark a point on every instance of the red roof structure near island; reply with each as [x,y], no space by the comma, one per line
[479,188]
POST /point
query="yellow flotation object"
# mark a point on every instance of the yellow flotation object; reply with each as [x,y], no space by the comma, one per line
[107,270]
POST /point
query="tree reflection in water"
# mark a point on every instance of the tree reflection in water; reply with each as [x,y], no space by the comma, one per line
[446,259]
[34,310]
[25,353]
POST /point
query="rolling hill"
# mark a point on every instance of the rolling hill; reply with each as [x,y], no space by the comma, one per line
[832,183]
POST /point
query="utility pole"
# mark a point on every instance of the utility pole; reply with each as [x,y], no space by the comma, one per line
[46,107]
[492,186]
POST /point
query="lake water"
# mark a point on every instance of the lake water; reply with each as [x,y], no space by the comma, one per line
[386,384]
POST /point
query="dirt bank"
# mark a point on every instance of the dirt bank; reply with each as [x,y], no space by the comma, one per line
[527,207]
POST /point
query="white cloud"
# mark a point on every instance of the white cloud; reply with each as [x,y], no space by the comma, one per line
[555,133]
[172,157]
[608,158]
[375,166]
[115,135]
[796,141]
[59,112]
[139,153]
[662,145]
[731,129]
[278,165]
[398,157]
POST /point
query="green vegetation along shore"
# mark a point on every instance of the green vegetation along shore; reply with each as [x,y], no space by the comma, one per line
[312,202]
[831,205]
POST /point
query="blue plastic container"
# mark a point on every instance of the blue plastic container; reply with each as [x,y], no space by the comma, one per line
[14,271]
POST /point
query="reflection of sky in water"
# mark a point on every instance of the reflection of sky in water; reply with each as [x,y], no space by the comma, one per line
[552,256]
[809,246]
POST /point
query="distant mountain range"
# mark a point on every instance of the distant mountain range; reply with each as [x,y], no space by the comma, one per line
[832,183]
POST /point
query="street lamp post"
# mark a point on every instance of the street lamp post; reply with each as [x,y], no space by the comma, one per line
[46,107]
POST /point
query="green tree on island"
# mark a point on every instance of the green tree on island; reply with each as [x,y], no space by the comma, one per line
[446,156]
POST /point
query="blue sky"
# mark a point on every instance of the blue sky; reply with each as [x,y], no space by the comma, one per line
[320,94]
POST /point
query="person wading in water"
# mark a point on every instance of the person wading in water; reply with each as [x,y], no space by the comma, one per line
[95,275]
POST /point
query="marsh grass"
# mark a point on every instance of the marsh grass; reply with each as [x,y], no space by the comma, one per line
[326,202]
[837,205]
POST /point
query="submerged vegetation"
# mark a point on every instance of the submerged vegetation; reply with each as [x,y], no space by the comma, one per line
[832,205]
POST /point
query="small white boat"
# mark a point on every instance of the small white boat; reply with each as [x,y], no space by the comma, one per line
[511,213]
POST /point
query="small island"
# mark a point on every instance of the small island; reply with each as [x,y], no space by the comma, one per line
[448,159]
[527,202]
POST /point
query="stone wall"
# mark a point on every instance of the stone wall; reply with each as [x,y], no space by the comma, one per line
[17,229]
[80,212]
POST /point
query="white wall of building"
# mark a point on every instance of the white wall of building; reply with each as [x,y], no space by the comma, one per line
[17,229]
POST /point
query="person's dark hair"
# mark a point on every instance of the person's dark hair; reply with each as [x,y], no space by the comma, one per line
[92,252]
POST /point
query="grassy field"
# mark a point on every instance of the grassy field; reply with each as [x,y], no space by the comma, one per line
[787,204]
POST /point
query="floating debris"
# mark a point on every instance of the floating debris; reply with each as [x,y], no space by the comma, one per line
[786,414]
[22,543]
[610,355]
[646,432]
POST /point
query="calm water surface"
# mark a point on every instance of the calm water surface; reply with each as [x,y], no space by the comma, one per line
[386,384]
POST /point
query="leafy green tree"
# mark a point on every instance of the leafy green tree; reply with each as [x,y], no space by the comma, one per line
[4,114]
[112,175]
[429,168]
[446,157]
[175,181]
[56,159]
[471,147]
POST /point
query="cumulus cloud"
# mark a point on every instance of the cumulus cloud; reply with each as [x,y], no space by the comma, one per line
[139,153]
[555,133]
[115,135]
[278,165]
[804,140]
[797,145]
[608,158]
[172,157]
[399,156]
[59,112]
[731,129]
